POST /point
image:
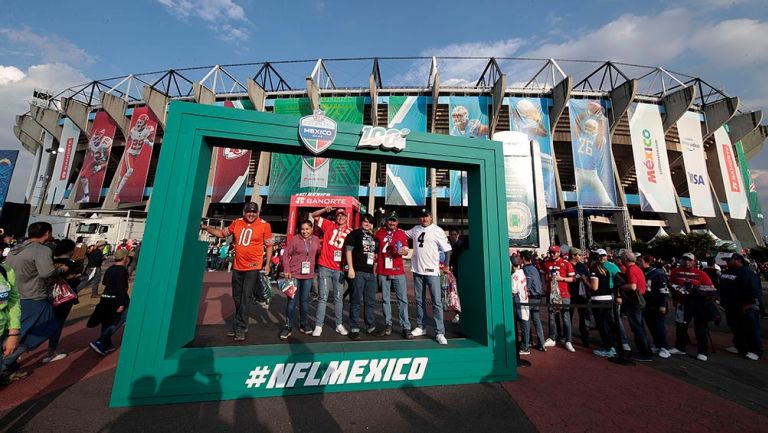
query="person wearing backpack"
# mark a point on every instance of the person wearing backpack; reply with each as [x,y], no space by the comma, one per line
[656,301]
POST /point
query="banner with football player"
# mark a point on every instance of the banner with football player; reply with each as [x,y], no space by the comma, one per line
[70,135]
[522,220]
[649,148]
[729,171]
[91,178]
[692,146]
[7,164]
[230,173]
[531,117]
[406,186]
[469,119]
[134,165]
[592,154]
[753,200]
[315,175]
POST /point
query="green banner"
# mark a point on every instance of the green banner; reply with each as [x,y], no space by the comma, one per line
[755,210]
[292,174]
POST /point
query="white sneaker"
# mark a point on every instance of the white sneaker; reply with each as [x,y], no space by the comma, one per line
[455,319]
[626,347]
[701,357]
[341,330]
[654,350]
[441,339]
[750,356]
[418,332]
[732,349]
[549,343]
[675,351]
[664,353]
[569,347]
[318,331]
[54,357]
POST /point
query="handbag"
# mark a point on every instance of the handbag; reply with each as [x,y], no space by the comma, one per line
[288,287]
[62,293]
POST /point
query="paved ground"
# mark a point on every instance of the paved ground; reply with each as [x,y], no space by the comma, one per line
[561,392]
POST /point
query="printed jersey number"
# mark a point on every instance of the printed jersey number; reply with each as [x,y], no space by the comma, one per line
[336,240]
[421,240]
[245,237]
[585,147]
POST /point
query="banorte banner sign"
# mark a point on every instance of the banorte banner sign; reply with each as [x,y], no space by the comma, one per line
[231,171]
[91,179]
[732,183]
[692,146]
[649,148]
[134,165]
[70,135]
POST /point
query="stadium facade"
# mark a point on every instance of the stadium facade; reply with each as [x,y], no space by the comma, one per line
[617,151]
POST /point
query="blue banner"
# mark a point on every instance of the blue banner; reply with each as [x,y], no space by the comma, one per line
[531,117]
[406,186]
[7,164]
[469,119]
[592,155]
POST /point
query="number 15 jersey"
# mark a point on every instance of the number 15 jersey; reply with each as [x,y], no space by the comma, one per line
[427,244]
[249,240]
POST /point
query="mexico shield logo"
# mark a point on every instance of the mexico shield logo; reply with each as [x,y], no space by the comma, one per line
[313,162]
[317,132]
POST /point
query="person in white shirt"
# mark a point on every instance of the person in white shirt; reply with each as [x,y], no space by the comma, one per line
[428,240]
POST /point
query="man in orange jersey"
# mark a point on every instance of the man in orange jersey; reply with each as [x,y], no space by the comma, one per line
[251,236]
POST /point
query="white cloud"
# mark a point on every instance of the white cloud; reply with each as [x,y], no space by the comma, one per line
[760,177]
[221,16]
[48,49]
[14,93]
[733,43]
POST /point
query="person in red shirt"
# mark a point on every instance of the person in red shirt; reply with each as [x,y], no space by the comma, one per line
[329,271]
[393,245]
[633,303]
[252,235]
[559,272]
[692,290]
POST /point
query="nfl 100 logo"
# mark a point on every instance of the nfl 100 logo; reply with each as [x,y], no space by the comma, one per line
[317,132]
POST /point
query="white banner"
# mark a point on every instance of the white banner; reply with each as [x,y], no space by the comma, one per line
[732,182]
[42,171]
[70,134]
[692,144]
[651,163]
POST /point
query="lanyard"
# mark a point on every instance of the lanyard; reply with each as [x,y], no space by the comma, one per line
[307,247]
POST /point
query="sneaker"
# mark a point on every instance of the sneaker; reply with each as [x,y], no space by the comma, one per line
[753,356]
[455,319]
[441,339]
[239,336]
[524,352]
[341,330]
[354,335]
[54,357]
[732,349]
[605,353]
[612,353]
[549,343]
[654,350]
[110,349]
[305,330]
[642,358]
[701,357]
[388,330]
[97,347]
[371,330]
[285,333]
[569,347]
[626,347]
[407,334]
[664,353]
[418,332]
[541,348]
[263,304]
[676,351]
[318,331]
[13,377]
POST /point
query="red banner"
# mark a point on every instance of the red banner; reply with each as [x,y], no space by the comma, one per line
[134,165]
[91,177]
[231,170]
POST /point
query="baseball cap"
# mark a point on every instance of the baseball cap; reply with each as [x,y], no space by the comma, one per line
[121,254]
[393,217]
[341,211]
[425,212]
[554,249]
[251,207]
[601,252]
[737,256]
[688,256]
[577,251]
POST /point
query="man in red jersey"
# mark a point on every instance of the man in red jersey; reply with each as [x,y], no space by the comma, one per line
[692,290]
[329,271]
[560,272]
[393,245]
[252,235]
[634,303]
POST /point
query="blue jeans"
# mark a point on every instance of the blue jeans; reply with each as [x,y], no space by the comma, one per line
[401,291]
[363,290]
[536,319]
[420,283]
[328,279]
[566,312]
[302,297]
[637,324]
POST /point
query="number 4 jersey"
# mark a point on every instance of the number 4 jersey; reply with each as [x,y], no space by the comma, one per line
[249,240]
[427,244]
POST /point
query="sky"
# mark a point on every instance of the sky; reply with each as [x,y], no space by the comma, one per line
[55,45]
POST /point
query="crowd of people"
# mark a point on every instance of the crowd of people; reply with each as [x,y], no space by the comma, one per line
[644,290]
[40,278]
